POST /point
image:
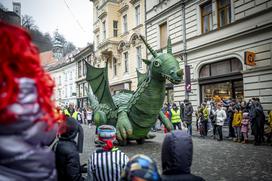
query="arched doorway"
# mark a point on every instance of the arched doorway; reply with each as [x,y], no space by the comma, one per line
[222,80]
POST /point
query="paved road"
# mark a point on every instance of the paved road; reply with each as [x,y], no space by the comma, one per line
[212,160]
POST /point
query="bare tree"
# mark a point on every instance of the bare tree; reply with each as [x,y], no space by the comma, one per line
[29,23]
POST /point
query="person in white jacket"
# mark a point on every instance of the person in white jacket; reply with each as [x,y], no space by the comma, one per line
[220,118]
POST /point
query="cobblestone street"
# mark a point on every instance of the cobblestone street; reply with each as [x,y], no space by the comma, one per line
[212,160]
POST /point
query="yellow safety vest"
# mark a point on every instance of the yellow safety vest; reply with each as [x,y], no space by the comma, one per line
[175,116]
[66,112]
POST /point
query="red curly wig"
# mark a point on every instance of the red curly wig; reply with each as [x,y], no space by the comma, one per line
[19,57]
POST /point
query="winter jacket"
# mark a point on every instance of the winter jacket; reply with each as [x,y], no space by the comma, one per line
[237,119]
[24,152]
[220,117]
[67,155]
[188,112]
[270,119]
[245,123]
[176,156]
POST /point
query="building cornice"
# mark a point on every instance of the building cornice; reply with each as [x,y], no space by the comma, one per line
[164,12]
[107,42]
[85,52]
[133,2]
[102,15]
[123,8]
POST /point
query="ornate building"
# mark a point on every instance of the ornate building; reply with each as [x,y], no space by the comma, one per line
[226,44]
[117,26]
[82,87]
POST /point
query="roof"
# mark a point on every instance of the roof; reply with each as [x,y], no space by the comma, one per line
[47,58]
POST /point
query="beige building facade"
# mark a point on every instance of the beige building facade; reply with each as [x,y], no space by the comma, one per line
[219,36]
[117,26]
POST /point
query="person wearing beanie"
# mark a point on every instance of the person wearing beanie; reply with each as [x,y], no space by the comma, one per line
[140,168]
[107,162]
[67,151]
[177,156]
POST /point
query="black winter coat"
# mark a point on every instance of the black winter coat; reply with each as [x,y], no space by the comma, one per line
[67,161]
[177,150]
[67,155]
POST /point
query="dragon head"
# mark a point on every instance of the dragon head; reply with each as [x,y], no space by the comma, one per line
[164,66]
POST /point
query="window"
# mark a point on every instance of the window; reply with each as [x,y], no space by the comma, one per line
[114,66]
[163,35]
[97,40]
[96,8]
[139,57]
[85,91]
[59,94]
[71,90]
[65,91]
[221,68]
[66,76]
[79,69]
[206,17]
[137,15]
[224,12]
[104,30]
[71,75]
[84,68]
[59,80]
[115,28]
[126,61]
[125,28]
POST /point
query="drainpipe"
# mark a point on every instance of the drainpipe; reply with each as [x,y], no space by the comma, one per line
[184,44]
[145,25]
[145,28]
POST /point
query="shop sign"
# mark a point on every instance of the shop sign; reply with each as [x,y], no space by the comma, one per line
[188,86]
[250,58]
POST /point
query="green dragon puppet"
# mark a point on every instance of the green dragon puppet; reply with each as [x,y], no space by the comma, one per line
[134,113]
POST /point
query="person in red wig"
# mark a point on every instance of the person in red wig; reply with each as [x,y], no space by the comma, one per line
[27,114]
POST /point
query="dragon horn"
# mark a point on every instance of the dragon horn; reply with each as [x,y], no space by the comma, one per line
[149,47]
[169,45]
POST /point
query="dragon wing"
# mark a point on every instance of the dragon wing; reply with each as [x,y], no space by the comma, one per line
[98,79]
[141,77]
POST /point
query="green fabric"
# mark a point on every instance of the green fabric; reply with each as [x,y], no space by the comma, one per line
[98,79]
[134,113]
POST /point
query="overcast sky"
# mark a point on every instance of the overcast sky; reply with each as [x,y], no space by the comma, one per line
[74,22]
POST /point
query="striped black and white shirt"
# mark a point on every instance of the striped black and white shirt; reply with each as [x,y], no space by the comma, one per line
[106,165]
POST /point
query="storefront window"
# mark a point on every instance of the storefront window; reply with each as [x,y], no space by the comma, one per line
[223,91]
[221,68]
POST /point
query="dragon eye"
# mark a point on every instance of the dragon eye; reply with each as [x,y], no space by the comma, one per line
[156,64]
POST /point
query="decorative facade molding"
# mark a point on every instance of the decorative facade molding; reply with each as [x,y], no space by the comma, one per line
[123,8]
[133,2]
